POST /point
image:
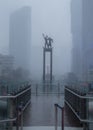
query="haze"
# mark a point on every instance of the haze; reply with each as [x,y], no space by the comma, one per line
[51,17]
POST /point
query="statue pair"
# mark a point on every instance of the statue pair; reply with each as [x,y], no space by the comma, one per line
[48,41]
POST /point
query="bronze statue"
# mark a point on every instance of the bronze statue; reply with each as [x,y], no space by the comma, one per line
[48,41]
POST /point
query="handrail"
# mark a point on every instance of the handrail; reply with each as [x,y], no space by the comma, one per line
[81,120]
[8,120]
[15,118]
[18,94]
[19,109]
[58,106]
[83,97]
[56,114]
[73,100]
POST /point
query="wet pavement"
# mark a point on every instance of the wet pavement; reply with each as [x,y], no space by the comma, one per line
[49,128]
[41,112]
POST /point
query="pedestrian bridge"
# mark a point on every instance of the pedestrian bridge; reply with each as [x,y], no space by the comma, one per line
[40,113]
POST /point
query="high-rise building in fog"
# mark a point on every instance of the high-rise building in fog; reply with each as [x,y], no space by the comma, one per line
[6,64]
[87,43]
[76,30]
[20,37]
[82,33]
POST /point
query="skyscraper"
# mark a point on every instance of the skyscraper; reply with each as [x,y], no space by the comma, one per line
[82,31]
[87,44]
[20,37]
[76,30]
[6,65]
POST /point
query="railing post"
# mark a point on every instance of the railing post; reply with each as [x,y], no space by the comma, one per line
[58,89]
[55,116]
[62,118]
[36,89]
[17,120]
[85,127]
[21,119]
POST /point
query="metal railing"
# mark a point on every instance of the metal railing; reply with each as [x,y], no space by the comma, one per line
[19,101]
[79,104]
[43,88]
[12,87]
[56,116]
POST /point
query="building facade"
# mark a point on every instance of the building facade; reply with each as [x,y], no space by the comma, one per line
[87,44]
[82,33]
[6,64]
[20,37]
[76,30]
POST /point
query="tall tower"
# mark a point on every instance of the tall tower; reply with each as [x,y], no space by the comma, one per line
[82,31]
[76,30]
[47,49]
[87,44]
[20,37]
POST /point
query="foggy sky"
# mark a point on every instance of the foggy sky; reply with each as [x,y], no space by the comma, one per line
[51,17]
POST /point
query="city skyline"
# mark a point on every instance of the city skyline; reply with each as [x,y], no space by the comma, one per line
[20,37]
[50,20]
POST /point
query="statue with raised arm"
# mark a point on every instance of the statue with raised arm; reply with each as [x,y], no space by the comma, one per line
[50,41]
[46,40]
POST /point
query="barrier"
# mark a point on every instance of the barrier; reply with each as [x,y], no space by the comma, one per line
[56,115]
